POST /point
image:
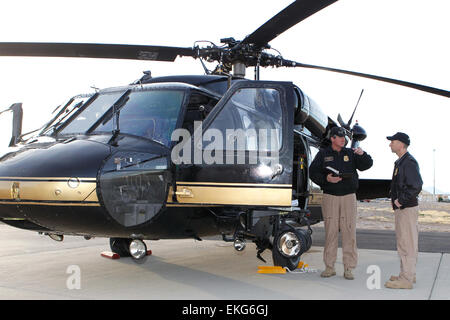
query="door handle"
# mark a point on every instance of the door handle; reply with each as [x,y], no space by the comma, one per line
[184,193]
[277,170]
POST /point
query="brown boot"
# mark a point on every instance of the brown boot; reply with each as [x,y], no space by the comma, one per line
[348,274]
[399,284]
[329,272]
[393,278]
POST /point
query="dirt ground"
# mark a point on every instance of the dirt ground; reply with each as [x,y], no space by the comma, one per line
[378,215]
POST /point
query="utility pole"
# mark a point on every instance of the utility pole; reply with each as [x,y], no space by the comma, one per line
[434,174]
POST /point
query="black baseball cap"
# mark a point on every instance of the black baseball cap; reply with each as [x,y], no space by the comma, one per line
[400,136]
[337,131]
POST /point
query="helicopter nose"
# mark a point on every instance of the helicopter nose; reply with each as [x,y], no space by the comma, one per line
[44,185]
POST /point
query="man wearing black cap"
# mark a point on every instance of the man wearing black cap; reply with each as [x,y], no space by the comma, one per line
[405,187]
[334,170]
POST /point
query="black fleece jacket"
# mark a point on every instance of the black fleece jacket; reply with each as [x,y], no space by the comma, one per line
[346,162]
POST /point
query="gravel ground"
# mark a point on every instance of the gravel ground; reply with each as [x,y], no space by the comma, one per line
[378,215]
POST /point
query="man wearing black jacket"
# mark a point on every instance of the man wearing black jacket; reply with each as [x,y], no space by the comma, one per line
[339,198]
[405,187]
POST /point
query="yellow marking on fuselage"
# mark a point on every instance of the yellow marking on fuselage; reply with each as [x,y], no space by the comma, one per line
[50,190]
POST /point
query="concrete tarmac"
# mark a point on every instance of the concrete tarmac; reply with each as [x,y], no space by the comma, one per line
[36,267]
[386,240]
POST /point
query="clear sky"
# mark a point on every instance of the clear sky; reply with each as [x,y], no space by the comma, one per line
[403,39]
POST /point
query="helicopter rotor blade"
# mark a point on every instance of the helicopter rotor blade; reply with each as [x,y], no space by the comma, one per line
[285,19]
[437,91]
[94,50]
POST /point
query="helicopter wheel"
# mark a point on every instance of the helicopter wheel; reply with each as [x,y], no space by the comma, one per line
[121,246]
[288,246]
[307,236]
[138,250]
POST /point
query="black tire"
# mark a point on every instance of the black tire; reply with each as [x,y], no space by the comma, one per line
[307,236]
[279,259]
[121,246]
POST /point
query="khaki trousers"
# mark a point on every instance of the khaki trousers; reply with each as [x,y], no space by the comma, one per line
[339,214]
[407,233]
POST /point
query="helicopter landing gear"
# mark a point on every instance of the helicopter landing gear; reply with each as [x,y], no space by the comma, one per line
[120,246]
[239,244]
[288,246]
[124,247]
[138,250]
[269,230]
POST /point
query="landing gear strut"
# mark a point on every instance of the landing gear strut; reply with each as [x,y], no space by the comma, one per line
[271,230]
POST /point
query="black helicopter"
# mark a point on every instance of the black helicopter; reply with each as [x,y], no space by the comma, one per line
[104,165]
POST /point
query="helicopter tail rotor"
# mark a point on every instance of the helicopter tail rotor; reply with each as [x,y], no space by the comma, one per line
[355,133]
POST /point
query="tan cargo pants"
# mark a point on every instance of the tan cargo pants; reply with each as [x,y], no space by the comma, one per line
[407,233]
[339,214]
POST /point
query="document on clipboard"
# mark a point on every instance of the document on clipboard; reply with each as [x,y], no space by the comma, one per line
[336,173]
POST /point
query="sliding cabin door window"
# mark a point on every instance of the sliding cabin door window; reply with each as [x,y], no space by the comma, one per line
[251,120]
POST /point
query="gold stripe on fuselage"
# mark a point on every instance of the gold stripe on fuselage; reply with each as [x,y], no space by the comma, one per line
[69,204]
[233,184]
[47,179]
[48,191]
[248,194]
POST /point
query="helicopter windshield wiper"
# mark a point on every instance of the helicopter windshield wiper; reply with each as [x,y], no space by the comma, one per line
[110,112]
[49,125]
[69,113]
[57,124]
[114,110]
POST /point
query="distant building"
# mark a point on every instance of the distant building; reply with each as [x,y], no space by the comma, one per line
[426,196]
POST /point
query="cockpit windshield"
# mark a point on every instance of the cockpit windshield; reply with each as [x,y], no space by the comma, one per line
[151,114]
[65,111]
[92,113]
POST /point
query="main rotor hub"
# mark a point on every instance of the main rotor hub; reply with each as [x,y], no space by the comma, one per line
[239,69]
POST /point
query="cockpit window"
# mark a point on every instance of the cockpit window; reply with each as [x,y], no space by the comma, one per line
[65,112]
[92,113]
[150,114]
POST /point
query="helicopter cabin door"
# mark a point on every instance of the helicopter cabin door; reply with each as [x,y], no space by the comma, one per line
[241,154]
